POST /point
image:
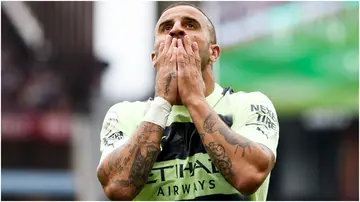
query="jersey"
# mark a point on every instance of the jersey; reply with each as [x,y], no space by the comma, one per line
[183,169]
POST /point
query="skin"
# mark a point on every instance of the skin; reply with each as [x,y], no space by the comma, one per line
[187,21]
[183,59]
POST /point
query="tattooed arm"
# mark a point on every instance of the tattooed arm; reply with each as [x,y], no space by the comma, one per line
[243,163]
[124,171]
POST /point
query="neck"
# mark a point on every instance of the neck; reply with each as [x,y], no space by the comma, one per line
[209,80]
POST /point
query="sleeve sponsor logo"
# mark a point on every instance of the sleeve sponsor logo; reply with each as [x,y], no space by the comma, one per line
[113,138]
[266,119]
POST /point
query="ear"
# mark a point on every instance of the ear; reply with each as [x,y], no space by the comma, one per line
[214,52]
[153,57]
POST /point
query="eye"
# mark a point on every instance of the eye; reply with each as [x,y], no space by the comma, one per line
[190,25]
[167,27]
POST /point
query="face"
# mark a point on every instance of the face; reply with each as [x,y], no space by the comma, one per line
[186,20]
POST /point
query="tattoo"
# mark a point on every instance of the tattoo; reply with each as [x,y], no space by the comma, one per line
[230,136]
[142,154]
[140,168]
[114,163]
[220,159]
[209,124]
[233,139]
[168,82]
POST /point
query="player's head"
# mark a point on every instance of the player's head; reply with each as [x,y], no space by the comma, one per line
[182,19]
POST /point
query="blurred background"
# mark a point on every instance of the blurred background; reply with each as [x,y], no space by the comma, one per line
[63,64]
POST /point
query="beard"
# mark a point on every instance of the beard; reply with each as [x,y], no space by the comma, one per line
[204,60]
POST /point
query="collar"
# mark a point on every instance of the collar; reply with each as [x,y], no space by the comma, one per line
[211,99]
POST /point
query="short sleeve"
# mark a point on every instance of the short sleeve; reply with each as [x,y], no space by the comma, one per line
[116,129]
[256,119]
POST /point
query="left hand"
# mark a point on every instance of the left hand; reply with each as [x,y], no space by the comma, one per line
[191,85]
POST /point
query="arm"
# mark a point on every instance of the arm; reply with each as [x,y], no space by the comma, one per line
[124,171]
[244,163]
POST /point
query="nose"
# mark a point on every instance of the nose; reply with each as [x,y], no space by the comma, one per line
[177,30]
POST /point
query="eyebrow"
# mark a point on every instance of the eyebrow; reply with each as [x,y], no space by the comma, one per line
[191,19]
[164,23]
[182,18]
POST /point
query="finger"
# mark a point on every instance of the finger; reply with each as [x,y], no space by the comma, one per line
[180,55]
[169,53]
[173,42]
[180,44]
[161,47]
[187,44]
[197,57]
[173,57]
[195,48]
[167,44]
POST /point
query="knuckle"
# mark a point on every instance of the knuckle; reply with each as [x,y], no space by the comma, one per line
[197,59]
[181,61]
[172,59]
[167,55]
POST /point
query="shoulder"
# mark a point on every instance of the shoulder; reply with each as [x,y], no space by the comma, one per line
[128,107]
[123,116]
[124,112]
[252,103]
[255,96]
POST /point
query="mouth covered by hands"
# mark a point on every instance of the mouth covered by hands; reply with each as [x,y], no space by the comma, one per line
[179,71]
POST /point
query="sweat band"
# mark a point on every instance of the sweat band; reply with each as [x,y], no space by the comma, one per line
[158,112]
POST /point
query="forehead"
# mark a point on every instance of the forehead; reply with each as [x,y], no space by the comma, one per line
[182,11]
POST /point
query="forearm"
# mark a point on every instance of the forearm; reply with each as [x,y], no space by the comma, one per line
[125,170]
[245,164]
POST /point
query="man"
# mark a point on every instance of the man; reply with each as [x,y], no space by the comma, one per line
[194,140]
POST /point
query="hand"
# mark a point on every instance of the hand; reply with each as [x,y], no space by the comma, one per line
[190,82]
[166,77]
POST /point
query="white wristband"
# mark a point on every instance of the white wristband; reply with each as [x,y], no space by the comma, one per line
[158,112]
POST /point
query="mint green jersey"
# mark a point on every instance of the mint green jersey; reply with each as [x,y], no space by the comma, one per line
[183,169]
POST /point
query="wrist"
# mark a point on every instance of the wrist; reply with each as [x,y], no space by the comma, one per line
[158,112]
[196,104]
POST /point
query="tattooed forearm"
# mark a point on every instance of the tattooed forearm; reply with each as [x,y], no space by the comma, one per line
[140,168]
[243,163]
[231,138]
[129,165]
[221,160]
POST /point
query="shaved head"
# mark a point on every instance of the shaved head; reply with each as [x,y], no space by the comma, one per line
[211,27]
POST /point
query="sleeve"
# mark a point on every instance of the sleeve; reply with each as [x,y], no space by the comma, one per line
[256,119]
[116,129]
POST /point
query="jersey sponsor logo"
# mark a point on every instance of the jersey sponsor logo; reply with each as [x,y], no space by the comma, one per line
[188,177]
[186,188]
[113,138]
[182,170]
[266,118]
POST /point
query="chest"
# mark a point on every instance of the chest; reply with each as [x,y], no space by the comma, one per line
[181,140]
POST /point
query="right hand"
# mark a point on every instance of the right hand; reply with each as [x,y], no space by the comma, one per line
[166,76]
